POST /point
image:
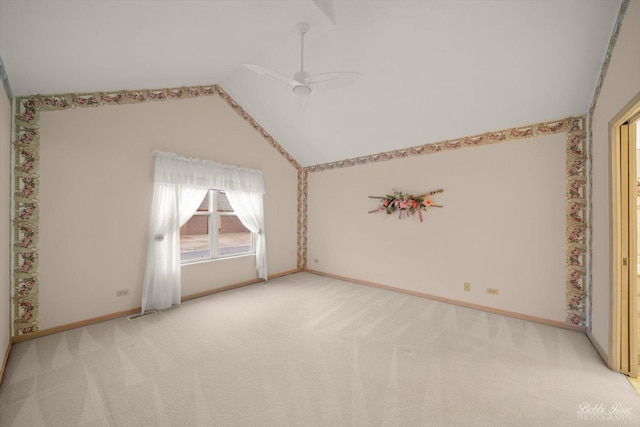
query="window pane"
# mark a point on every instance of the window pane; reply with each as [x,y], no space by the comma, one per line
[233,237]
[204,206]
[199,238]
[194,238]
[223,203]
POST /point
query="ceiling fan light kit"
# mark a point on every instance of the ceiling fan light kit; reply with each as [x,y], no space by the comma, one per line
[303,84]
[302,90]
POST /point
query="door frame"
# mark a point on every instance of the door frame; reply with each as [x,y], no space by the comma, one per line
[623,321]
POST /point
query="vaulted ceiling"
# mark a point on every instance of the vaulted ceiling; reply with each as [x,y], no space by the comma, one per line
[430,70]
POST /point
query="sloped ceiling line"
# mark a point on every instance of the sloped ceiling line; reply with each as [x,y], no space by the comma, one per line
[301,193]
[435,59]
[328,8]
[436,63]
[603,72]
[607,57]
[254,124]
[528,131]
[4,80]
[25,285]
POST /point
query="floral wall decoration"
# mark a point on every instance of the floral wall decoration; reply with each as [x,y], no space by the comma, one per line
[26,177]
[405,204]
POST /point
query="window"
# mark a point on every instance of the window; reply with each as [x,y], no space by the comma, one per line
[214,231]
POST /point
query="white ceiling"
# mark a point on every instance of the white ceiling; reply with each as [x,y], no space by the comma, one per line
[431,70]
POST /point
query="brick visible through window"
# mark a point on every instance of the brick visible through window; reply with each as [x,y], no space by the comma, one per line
[214,231]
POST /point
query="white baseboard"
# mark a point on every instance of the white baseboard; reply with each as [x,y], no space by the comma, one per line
[135,310]
[5,361]
[457,302]
[603,354]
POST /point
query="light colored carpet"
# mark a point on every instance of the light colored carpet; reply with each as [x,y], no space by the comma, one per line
[305,350]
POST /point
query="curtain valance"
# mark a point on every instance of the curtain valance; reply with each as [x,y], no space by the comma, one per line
[198,173]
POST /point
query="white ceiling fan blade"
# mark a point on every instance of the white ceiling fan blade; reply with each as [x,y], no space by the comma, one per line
[335,79]
[302,83]
[327,7]
[338,75]
[272,74]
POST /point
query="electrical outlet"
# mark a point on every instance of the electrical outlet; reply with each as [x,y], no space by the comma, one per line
[467,287]
[492,291]
[315,260]
[122,292]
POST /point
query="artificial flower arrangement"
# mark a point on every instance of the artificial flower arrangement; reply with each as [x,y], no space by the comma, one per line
[405,203]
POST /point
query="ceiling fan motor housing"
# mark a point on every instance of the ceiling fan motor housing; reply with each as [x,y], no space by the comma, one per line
[303,28]
[302,77]
[304,88]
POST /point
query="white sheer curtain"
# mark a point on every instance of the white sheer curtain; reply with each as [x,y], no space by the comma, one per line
[249,209]
[180,185]
[173,205]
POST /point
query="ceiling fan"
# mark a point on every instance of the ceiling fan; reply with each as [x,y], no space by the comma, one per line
[303,83]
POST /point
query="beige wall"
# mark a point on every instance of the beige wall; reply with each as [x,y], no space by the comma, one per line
[502,225]
[621,84]
[96,188]
[5,223]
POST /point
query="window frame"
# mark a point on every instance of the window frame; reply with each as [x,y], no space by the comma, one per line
[213,222]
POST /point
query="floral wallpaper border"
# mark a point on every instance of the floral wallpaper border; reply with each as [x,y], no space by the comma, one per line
[577,295]
[27,180]
[26,149]
[603,72]
[4,78]
[504,135]
[301,193]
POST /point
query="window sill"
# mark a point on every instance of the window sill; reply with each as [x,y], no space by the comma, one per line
[204,261]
